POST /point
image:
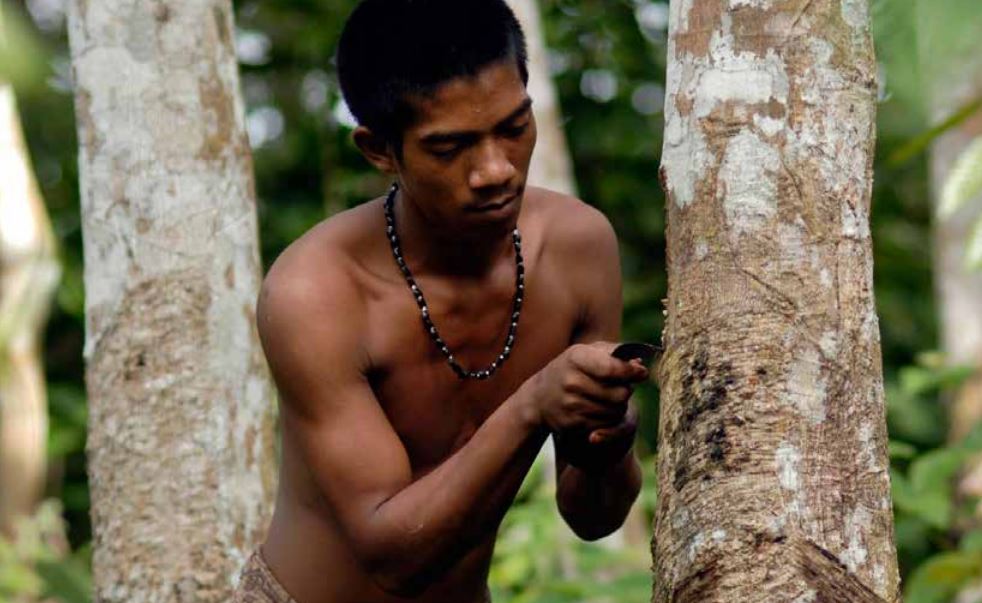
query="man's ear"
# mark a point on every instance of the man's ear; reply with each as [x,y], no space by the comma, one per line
[377,151]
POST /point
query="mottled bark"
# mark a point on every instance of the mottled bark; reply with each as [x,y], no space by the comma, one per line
[28,276]
[772,444]
[180,444]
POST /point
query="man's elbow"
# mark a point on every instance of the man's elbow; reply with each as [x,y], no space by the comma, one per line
[403,571]
[591,529]
[401,585]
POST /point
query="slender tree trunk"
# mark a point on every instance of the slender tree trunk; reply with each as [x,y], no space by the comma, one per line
[180,441]
[551,165]
[28,275]
[773,444]
[958,290]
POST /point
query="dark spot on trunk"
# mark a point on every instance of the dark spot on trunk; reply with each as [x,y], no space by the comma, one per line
[718,446]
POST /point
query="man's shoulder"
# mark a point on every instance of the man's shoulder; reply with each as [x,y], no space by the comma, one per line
[313,277]
[571,226]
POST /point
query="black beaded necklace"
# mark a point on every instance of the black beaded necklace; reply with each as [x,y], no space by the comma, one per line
[425,311]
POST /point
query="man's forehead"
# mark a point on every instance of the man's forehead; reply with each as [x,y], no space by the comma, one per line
[477,102]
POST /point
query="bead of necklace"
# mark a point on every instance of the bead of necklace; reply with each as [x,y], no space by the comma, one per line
[424,309]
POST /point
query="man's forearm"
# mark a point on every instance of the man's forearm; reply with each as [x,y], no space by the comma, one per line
[594,504]
[437,518]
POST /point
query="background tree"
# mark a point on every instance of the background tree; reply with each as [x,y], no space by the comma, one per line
[28,276]
[180,439]
[773,444]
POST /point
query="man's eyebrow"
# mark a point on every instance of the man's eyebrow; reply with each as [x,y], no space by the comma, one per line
[525,106]
[441,137]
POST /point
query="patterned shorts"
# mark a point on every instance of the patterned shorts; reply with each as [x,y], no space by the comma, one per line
[258,585]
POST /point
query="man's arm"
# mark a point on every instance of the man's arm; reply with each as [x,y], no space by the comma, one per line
[594,504]
[404,533]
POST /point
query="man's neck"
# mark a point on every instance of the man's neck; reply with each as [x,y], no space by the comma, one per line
[433,249]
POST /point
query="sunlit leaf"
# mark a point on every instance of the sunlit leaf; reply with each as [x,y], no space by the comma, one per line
[973,249]
[964,181]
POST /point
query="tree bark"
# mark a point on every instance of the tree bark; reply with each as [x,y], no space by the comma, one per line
[28,276]
[773,445]
[180,443]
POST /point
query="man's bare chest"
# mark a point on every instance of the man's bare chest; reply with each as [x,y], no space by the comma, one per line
[431,409]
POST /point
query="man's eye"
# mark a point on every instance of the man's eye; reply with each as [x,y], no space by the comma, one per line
[445,153]
[515,131]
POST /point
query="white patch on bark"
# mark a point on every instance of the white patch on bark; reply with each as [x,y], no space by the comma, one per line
[743,77]
[685,156]
[857,524]
[825,277]
[806,387]
[769,125]
[723,76]
[698,542]
[787,457]
[806,597]
[880,576]
[829,344]
[752,3]
[747,178]
[702,249]
[855,222]
[867,447]
[680,518]
[856,14]
[870,329]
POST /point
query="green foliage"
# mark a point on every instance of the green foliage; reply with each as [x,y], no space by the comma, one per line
[35,564]
[537,559]
[929,513]
[21,54]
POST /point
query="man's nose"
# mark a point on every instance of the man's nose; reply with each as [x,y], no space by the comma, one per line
[491,168]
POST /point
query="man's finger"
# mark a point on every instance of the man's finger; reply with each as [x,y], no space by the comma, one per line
[629,425]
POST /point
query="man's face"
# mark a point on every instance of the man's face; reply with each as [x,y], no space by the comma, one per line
[469,147]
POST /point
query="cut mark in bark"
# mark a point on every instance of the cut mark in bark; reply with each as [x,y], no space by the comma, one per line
[829,577]
[697,586]
[704,390]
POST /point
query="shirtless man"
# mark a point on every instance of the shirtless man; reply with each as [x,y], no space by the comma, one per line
[398,464]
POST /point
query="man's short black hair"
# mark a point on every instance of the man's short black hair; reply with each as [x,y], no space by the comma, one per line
[393,50]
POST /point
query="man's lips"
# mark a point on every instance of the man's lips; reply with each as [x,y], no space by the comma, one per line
[494,206]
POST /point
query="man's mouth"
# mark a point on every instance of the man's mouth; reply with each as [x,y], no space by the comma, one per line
[496,205]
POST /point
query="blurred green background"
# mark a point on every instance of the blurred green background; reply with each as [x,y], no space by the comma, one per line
[607,59]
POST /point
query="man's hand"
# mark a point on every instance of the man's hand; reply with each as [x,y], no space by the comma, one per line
[584,389]
[582,396]
[601,449]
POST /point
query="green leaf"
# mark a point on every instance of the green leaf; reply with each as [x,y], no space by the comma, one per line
[964,181]
[973,248]
[901,450]
[941,577]
[971,542]
[922,141]
[929,493]
[67,580]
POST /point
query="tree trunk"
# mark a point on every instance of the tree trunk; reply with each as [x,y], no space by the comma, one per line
[180,443]
[773,444]
[28,275]
[551,166]
[958,290]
